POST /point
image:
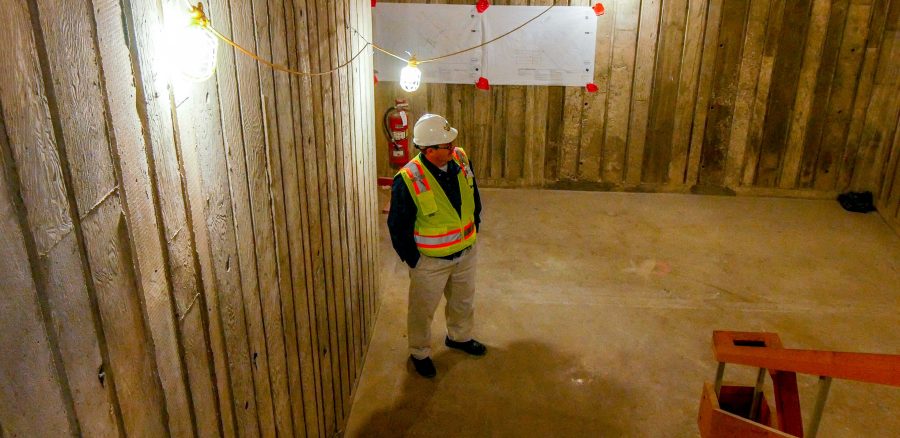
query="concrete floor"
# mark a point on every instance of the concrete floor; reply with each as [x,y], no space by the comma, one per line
[598,311]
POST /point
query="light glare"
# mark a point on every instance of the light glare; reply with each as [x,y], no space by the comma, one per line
[410,76]
[189,49]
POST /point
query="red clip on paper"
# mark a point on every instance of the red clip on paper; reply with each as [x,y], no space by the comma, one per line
[483,84]
[598,8]
[482,5]
[591,88]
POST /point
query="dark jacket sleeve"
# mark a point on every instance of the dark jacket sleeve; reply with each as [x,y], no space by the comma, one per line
[477,205]
[402,222]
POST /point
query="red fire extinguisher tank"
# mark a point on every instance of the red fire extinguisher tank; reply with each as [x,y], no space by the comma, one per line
[396,127]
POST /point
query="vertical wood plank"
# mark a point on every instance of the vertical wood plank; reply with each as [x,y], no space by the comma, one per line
[660,130]
[357,183]
[620,90]
[593,115]
[704,90]
[864,91]
[229,77]
[130,346]
[880,125]
[198,130]
[497,132]
[139,203]
[688,82]
[324,133]
[313,159]
[751,63]
[28,141]
[784,91]
[812,56]
[763,90]
[267,199]
[483,104]
[298,218]
[328,59]
[555,102]
[344,164]
[287,211]
[571,133]
[33,397]
[843,90]
[721,106]
[76,104]
[824,80]
[644,66]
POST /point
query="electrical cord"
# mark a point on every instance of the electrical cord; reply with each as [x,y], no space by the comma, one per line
[200,19]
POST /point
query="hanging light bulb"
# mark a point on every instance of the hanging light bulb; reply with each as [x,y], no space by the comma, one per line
[410,76]
[190,48]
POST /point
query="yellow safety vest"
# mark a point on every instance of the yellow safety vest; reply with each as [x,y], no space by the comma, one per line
[439,230]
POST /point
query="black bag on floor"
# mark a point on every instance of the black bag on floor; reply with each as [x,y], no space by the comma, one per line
[858,202]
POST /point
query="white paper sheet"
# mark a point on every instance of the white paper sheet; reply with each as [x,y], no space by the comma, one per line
[556,49]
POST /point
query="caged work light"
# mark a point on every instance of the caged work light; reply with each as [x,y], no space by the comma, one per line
[190,47]
[410,76]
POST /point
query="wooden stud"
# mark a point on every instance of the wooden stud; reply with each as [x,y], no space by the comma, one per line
[59,273]
[704,90]
[35,398]
[660,130]
[812,56]
[751,64]
[642,87]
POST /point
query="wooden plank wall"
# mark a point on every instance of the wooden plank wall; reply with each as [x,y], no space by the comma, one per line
[879,134]
[760,97]
[184,258]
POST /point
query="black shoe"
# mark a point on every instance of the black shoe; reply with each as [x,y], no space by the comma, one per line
[425,367]
[471,346]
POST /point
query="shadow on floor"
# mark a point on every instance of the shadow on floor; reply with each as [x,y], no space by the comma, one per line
[525,389]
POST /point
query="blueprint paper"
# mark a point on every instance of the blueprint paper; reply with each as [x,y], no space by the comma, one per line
[556,49]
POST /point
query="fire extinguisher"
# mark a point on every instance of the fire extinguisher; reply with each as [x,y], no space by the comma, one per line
[396,127]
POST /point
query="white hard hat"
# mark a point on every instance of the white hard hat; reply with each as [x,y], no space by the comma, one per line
[432,129]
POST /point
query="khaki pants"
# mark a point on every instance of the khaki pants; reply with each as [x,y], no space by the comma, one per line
[431,278]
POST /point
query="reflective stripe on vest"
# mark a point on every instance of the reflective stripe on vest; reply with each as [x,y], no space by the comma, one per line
[463,161]
[445,239]
[415,172]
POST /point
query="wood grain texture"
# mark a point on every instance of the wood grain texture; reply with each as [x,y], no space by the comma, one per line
[879,125]
[326,291]
[130,155]
[304,303]
[268,217]
[34,400]
[843,91]
[812,56]
[783,91]
[748,81]
[620,87]
[685,97]
[726,71]
[80,122]
[864,91]
[643,84]
[704,90]
[128,339]
[688,82]
[245,149]
[660,130]
[29,144]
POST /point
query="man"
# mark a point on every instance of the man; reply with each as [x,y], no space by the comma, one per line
[435,213]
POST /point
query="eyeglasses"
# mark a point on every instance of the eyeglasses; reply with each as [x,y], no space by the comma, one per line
[444,146]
